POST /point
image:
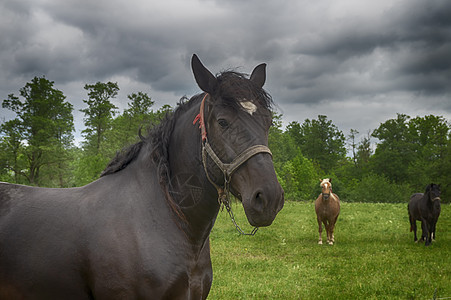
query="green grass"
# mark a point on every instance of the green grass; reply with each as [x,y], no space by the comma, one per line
[374,256]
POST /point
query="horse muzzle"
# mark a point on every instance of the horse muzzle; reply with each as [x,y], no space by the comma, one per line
[259,190]
[263,206]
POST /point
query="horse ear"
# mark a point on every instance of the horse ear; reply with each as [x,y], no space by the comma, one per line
[258,76]
[205,80]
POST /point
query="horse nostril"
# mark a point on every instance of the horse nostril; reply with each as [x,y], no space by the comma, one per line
[259,201]
[258,196]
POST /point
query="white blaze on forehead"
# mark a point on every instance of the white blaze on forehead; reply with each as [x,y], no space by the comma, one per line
[248,106]
[326,183]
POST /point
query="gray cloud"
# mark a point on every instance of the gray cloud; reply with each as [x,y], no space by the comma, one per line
[366,59]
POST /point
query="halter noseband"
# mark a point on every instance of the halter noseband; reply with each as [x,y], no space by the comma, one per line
[226,168]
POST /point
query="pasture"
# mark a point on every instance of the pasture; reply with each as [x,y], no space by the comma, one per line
[374,256]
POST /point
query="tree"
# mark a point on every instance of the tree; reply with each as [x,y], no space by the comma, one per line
[11,149]
[298,178]
[99,114]
[364,153]
[321,141]
[411,150]
[140,104]
[125,127]
[395,152]
[351,138]
[429,136]
[42,130]
[281,143]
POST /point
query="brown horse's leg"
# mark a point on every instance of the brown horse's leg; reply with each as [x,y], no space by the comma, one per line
[320,231]
[330,230]
[332,240]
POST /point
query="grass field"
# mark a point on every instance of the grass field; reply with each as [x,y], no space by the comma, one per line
[374,256]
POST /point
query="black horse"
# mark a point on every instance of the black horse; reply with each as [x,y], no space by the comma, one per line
[141,231]
[425,208]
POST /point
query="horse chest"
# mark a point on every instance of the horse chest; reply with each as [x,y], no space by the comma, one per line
[326,209]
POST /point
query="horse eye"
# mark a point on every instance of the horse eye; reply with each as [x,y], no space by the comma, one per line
[223,123]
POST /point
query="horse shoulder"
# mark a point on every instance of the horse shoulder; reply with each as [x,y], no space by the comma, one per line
[39,237]
[136,245]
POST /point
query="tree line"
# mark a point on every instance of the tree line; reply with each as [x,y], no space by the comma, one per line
[37,147]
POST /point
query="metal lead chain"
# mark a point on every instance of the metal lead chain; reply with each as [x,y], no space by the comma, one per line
[238,228]
[224,201]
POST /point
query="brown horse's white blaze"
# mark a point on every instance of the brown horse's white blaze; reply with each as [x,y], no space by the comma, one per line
[327,207]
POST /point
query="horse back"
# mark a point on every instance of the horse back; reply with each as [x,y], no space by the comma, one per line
[38,243]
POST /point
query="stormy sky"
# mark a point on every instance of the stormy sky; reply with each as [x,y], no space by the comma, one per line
[357,62]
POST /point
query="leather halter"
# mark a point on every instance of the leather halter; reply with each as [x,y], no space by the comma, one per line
[226,168]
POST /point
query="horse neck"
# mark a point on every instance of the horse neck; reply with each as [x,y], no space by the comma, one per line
[190,188]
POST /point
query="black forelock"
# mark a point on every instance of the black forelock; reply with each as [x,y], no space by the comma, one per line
[234,86]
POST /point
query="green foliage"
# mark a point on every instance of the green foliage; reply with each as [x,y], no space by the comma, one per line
[319,140]
[374,256]
[377,188]
[410,154]
[88,168]
[36,147]
[126,127]
[117,134]
[99,114]
[36,141]
[296,174]
[298,178]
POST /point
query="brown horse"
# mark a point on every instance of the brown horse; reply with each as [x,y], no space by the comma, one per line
[327,207]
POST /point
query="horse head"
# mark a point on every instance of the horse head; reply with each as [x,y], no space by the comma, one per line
[433,190]
[235,118]
[326,188]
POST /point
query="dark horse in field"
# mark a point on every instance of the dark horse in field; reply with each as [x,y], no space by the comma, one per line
[425,208]
[327,208]
[142,230]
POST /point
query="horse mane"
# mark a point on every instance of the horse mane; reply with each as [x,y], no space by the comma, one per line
[156,141]
[233,87]
[122,159]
